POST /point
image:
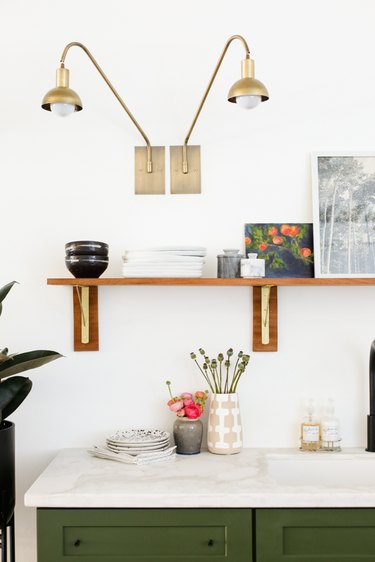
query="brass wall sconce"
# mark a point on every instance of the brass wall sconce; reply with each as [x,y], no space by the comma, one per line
[247,92]
[63,101]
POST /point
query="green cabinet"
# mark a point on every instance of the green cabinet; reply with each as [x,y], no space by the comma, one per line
[144,535]
[203,535]
[315,535]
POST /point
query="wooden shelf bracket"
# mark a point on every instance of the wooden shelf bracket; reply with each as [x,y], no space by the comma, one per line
[86,321]
[265,318]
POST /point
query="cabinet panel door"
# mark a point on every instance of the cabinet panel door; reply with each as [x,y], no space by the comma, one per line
[140,535]
[312,535]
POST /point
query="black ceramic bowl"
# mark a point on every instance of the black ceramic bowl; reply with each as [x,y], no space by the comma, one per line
[86,266]
[86,248]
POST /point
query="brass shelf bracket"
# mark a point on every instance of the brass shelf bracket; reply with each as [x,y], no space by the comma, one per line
[265,318]
[85,309]
[265,313]
[83,294]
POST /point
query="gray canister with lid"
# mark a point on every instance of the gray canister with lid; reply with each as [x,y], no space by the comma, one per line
[229,264]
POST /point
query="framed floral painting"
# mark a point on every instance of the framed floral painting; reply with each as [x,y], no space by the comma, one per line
[286,248]
[344,213]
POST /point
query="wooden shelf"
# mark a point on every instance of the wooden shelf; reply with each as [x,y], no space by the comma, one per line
[85,301]
[202,281]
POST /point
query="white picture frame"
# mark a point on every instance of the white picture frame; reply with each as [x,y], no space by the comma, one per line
[343,188]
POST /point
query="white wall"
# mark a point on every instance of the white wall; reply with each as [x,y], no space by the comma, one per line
[70,179]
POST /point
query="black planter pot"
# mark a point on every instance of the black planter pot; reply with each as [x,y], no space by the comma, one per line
[7,472]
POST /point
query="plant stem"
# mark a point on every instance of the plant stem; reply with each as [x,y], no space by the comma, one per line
[169,388]
[226,380]
[217,381]
[234,374]
[235,367]
[212,374]
[205,376]
[235,380]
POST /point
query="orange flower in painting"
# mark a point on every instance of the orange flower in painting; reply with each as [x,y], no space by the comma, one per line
[305,252]
[247,240]
[285,229]
[263,246]
[294,230]
[277,240]
[272,231]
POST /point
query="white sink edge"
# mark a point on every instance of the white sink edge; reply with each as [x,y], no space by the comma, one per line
[308,456]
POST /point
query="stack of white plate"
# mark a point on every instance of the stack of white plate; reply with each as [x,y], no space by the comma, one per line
[164,261]
[136,441]
[136,446]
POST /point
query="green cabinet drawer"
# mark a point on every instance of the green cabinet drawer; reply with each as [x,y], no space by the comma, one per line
[315,535]
[140,535]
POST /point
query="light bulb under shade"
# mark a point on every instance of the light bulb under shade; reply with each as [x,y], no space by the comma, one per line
[248,87]
[248,102]
[61,95]
[62,109]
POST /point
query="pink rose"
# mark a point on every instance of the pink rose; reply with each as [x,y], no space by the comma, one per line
[186,396]
[192,411]
[188,402]
[181,413]
[176,406]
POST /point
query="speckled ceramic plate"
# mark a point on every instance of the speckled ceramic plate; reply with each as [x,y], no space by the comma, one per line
[137,451]
[144,445]
[139,436]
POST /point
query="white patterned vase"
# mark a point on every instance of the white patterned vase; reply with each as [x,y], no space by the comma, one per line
[224,435]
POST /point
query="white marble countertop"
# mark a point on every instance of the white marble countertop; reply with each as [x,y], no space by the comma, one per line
[252,478]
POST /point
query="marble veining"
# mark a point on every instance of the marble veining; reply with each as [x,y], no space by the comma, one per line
[252,478]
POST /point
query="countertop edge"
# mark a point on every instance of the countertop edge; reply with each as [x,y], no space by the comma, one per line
[76,480]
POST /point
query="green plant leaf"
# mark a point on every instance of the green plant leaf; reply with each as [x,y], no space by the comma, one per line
[25,361]
[4,291]
[12,392]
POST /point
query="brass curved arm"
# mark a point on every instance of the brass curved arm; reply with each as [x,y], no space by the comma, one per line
[116,94]
[184,148]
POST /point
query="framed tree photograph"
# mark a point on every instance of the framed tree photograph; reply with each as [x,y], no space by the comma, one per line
[344,214]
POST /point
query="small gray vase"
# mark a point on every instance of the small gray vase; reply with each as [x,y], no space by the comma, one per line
[187,435]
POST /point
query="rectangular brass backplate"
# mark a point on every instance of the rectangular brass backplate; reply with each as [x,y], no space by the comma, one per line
[190,182]
[149,183]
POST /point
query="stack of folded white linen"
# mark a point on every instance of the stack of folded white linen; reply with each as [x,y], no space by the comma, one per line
[167,261]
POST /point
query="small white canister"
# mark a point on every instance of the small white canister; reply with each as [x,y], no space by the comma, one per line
[253,267]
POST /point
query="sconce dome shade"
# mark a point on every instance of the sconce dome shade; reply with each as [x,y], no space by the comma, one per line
[62,94]
[248,87]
